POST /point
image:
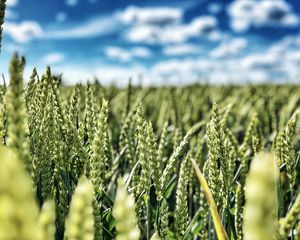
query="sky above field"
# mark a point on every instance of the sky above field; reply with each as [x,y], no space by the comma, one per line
[157,41]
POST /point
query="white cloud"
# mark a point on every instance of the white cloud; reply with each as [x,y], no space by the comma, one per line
[281,61]
[293,56]
[260,61]
[178,71]
[141,52]
[11,3]
[99,26]
[125,55]
[253,13]
[276,13]
[74,73]
[175,66]
[71,2]
[119,75]
[277,64]
[28,30]
[53,58]
[183,71]
[204,26]
[181,49]
[145,33]
[152,16]
[163,25]
[190,70]
[288,42]
[23,32]
[117,53]
[229,48]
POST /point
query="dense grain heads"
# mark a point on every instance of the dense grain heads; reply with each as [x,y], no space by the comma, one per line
[123,212]
[80,222]
[18,209]
[260,193]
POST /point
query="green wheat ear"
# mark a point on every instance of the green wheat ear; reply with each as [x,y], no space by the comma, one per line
[181,216]
[124,214]
[260,193]
[238,212]
[18,209]
[297,237]
[286,224]
[16,110]
[47,220]
[80,222]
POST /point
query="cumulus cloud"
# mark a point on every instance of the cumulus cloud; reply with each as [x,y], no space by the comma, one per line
[125,55]
[120,75]
[214,71]
[291,43]
[145,33]
[181,49]
[26,31]
[99,26]
[73,73]
[151,16]
[178,71]
[107,74]
[178,66]
[141,52]
[53,58]
[162,25]
[11,3]
[204,26]
[23,32]
[174,71]
[254,13]
[281,60]
[265,61]
[277,64]
[229,48]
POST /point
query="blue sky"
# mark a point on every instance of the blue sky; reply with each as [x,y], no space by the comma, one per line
[157,42]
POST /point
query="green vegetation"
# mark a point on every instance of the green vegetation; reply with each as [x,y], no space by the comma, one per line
[119,163]
[196,162]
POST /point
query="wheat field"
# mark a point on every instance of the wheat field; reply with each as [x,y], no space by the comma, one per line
[88,162]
